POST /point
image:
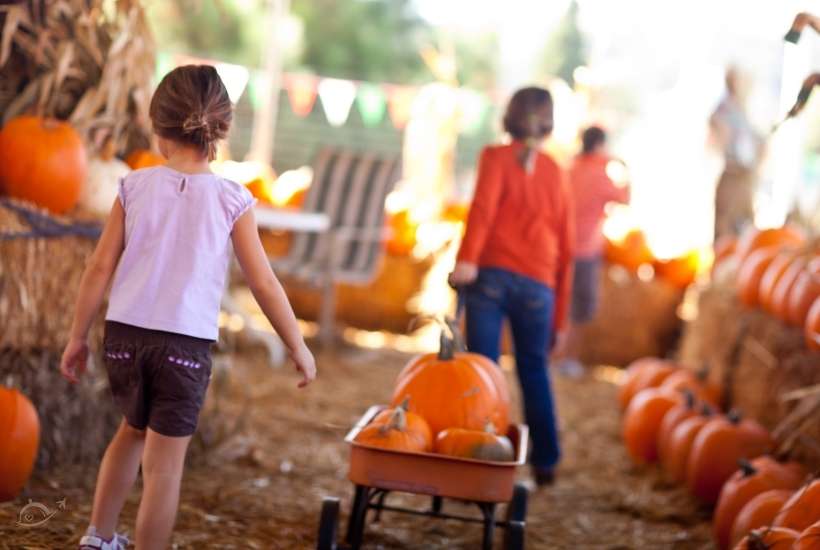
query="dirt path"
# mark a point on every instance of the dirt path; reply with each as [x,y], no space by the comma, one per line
[262,486]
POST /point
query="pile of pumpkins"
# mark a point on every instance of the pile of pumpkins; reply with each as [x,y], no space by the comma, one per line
[778,271]
[632,252]
[451,402]
[19,441]
[45,162]
[672,418]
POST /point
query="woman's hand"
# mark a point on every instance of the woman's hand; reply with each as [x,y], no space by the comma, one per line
[463,274]
[75,358]
[305,363]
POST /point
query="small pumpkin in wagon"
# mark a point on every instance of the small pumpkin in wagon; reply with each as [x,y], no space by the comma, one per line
[478,444]
[397,430]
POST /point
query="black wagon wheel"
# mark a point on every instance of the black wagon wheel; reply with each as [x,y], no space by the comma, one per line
[358,516]
[516,518]
[328,524]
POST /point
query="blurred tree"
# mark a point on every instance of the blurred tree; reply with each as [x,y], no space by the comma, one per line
[566,48]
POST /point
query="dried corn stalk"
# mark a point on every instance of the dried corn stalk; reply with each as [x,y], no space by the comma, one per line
[87,61]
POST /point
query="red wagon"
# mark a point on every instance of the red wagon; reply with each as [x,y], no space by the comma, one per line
[377,472]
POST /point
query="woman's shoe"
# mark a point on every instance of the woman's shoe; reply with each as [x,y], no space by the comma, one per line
[543,476]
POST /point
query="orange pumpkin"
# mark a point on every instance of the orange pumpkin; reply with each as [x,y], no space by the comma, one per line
[686,380]
[805,291]
[760,475]
[477,444]
[780,295]
[772,276]
[677,414]
[143,158]
[631,252]
[751,273]
[809,539]
[648,372]
[812,328]
[802,509]
[19,440]
[679,445]
[716,450]
[456,212]
[752,239]
[759,512]
[42,161]
[768,538]
[679,272]
[402,233]
[642,422]
[454,390]
[398,431]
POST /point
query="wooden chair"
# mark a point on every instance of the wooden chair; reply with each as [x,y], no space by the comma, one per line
[350,188]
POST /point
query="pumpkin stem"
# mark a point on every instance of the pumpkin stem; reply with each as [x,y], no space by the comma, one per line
[458,339]
[707,410]
[405,404]
[447,347]
[746,467]
[689,399]
[489,427]
[734,416]
[398,421]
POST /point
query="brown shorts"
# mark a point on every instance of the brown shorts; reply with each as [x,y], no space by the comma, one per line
[158,378]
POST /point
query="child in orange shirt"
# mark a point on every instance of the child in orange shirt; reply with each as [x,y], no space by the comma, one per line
[516,261]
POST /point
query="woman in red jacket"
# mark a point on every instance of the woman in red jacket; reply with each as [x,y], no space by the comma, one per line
[516,261]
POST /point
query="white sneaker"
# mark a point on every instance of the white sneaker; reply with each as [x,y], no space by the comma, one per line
[92,541]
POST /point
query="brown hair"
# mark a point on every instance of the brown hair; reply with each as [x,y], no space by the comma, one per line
[517,121]
[592,138]
[191,106]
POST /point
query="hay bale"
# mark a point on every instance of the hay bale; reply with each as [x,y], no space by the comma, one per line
[758,360]
[635,318]
[381,305]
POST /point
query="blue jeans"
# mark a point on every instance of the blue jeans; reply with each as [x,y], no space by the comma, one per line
[529,306]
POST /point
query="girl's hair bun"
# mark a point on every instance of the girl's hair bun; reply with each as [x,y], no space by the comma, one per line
[191,105]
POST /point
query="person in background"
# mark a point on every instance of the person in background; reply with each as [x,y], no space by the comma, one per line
[592,189]
[515,261]
[742,149]
[165,250]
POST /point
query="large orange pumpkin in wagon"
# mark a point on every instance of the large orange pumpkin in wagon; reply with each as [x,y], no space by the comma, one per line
[42,161]
[453,389]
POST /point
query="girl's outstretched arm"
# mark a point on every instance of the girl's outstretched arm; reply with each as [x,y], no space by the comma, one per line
[269,293]
[98,271]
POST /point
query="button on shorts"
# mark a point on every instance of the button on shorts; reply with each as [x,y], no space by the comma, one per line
[158,379]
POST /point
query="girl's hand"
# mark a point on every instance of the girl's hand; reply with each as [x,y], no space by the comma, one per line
[75,358]
[305,363]
[463,274]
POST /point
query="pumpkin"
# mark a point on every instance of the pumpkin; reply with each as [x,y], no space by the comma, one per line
[642,423]
[716,450]
[724,248]
[751,273]
[454,389]
[677,414]
[802,509]
[19,440]
[768,538]
[648,372]
[809,539]
[399,430]
[456,212]
[805,291]
[755,477]
[780,295]
[679,445]
[752,239]
[143,158]
[477,444]
[679,272]
[43,161]
[695,382]
[812,328]
[631,251]
[772,276]
[402,233]
[102,184]
[759,512]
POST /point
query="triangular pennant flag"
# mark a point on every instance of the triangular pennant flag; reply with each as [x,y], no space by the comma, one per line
[472,107]
[372,104]
[301,93]
[399,103]
[337,98]
[235,78]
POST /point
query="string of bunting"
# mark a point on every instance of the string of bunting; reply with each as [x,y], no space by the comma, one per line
[337,96]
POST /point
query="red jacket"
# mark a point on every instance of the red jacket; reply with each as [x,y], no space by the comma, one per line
[522,223]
